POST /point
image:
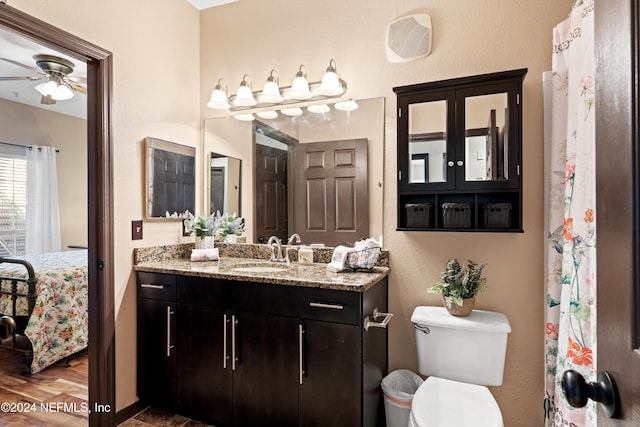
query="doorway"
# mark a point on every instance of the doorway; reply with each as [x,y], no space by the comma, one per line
[100,206]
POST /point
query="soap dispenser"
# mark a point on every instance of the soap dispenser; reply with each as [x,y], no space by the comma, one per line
[305,255]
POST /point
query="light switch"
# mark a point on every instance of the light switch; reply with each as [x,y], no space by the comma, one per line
[136,230]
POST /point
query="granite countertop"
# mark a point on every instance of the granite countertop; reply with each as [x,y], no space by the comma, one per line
[294,274]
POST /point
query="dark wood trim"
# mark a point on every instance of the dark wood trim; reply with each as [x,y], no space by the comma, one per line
[130,411]
[100,212]
[460,82]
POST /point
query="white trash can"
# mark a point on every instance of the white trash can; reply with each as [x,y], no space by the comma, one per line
[398,388]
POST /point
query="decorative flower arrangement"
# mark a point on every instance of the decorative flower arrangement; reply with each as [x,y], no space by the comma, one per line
[459,282]
[216,224]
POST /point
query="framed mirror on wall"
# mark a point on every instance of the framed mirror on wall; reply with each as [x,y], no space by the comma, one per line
[169,179]
[245,141]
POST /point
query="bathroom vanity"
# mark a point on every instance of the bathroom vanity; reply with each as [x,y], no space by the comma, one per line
[241,342]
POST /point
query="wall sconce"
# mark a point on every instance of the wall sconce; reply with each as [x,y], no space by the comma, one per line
[272,97]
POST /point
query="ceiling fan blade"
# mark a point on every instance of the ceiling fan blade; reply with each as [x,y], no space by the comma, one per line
[77,88]
[81,80]
[16,78]
[20,64]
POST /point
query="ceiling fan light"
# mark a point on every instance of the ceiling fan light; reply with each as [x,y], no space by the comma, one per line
[40,88]
[244,96]
[267,114]
[330,85]
[62,93]
[319,108]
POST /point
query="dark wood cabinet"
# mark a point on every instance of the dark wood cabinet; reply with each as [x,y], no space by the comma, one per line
[460,154]
[156,339]
[255,354]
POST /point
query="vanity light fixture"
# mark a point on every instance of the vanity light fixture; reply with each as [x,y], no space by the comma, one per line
[349,105]
[319,108]
[300,87]
[271,92]
[218,100]
[330,85]
[270,114]
[244,95]
[244,117]
[274,97]
[295,111]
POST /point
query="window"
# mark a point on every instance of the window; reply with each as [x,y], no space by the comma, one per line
[13,200]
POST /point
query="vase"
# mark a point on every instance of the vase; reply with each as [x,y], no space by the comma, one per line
[231,238]
[205,242]
[461,310]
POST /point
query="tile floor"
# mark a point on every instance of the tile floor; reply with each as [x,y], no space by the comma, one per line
[152,417]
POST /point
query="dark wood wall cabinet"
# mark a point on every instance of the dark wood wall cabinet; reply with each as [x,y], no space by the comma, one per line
[460,154]
[235,353]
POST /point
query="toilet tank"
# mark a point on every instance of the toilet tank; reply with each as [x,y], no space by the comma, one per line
[469,349]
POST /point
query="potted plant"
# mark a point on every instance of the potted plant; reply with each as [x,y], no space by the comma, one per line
[204,227]
[459,286]
[231,226]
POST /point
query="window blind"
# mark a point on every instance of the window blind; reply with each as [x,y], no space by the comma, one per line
[13,201]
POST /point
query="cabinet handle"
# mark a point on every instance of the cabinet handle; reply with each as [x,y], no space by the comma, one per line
[323,305]
[373,323]
[147,285]
[300,351]
[450,163]
[224,341]
[169,346]
[234,324]
[460,163]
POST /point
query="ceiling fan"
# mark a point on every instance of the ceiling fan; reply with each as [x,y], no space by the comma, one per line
[57,84]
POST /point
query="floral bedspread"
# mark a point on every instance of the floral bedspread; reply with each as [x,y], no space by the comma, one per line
[59,324]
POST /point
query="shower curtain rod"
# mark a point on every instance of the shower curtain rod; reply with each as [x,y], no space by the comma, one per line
[23,146]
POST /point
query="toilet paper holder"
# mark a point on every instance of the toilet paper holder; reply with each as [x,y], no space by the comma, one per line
[374,323]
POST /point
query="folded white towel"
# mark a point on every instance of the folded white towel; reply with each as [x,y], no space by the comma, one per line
[339,258]
[204,254]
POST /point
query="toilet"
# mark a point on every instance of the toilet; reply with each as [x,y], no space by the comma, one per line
[460,356]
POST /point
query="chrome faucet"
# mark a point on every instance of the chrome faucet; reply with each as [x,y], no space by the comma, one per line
[273,240]
[294,239]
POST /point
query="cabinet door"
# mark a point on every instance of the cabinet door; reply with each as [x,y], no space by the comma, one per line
[266,370]
[156,353]
[330,392]
[204,372]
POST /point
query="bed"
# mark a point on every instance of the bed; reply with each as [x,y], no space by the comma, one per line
[49,321]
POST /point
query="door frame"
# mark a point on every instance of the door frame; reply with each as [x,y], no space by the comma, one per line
[100,202]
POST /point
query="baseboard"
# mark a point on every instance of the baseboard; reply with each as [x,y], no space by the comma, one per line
[125,413]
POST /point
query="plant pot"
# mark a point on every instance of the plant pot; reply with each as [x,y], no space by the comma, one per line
[461,310]
[205,242]
[230,238]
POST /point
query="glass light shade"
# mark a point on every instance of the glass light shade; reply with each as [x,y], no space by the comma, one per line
[320,108]
[244,97]
[270,93]
[299,88]
[267,114]
[62,92]
[40,88]
[330,85]
[218,100]
[296,111]
[244,117]
[349,105]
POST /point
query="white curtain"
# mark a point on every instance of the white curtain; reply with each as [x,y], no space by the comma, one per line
[43,218]
[570,339]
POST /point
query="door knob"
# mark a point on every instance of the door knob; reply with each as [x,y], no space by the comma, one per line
[578,391]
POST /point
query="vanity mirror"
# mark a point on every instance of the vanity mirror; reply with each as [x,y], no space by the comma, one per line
[224,184]
[247,141]
[169,179]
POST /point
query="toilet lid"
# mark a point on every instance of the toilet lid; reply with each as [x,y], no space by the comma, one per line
[444,403]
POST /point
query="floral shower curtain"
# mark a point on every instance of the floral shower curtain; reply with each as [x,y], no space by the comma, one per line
[570,218]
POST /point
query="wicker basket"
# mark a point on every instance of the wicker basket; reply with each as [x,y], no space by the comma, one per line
[418,214]
[363,260]
[456,215]
[497,215]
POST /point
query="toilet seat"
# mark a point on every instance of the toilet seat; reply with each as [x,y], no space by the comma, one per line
[440,402]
